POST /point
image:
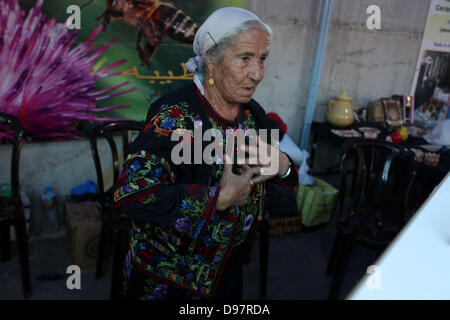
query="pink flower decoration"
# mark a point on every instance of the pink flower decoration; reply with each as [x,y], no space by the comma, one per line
[46,83]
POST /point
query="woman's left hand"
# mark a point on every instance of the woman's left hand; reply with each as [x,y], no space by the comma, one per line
[271,161]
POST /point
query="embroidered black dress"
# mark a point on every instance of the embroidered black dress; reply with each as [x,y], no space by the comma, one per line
[178,238]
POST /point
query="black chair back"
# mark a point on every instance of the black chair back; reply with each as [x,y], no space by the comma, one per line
[376,207]
[14,124]
[108,131]
[114,228]
[383,175]
[11,208]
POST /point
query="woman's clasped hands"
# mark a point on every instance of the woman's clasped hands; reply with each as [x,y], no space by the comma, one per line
[262,162]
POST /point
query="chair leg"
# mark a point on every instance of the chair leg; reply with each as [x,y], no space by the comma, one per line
[355,177]
[263,257]
[334,253]
[104,236]
[353,187]
[5,240]
[120,251]
[341,264]
[22,243]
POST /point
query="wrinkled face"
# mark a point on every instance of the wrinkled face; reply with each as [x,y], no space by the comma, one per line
[242,66]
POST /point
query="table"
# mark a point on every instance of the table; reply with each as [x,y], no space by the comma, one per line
[415,266]
[427,177]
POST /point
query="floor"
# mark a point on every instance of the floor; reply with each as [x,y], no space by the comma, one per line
[297,264]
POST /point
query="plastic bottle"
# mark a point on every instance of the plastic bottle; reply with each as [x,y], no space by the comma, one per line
[49,211]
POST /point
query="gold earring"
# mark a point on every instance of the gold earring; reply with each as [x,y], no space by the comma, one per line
[210,80]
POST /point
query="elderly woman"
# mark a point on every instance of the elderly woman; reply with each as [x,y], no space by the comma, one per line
[194,222]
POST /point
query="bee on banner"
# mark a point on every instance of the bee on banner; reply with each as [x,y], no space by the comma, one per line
[153,20]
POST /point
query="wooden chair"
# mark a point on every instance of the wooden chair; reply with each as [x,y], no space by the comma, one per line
[12,211]
[378,200]
[115,228]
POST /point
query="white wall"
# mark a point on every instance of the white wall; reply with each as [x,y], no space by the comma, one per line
[62,165]
[368,64]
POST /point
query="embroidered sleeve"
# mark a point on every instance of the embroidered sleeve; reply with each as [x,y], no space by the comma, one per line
[148,189]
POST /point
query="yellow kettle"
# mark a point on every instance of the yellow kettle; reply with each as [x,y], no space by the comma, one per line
[340,111]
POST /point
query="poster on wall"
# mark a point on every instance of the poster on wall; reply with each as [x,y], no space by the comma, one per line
[159,66]
[65,63]
[431,84]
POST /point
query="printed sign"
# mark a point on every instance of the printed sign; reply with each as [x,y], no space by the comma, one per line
[155,50]
[431,84]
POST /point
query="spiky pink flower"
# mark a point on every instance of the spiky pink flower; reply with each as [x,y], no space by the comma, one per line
[46,82]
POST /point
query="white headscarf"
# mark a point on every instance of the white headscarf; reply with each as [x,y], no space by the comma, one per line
[218,24]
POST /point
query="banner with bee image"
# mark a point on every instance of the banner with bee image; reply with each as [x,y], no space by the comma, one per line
[164,31]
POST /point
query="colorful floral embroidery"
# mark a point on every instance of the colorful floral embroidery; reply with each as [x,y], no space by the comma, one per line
[170,118]
[189,253]
[168,123]
[246,214]
[188,270]
[153,290]
[176,113]
[142,171]
[247,222]
[183,224]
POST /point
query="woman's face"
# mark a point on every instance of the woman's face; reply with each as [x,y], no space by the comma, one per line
[242,66]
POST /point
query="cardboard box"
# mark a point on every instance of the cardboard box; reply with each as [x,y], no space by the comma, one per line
[83,226]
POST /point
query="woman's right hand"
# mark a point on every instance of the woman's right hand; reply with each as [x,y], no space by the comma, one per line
[235,188]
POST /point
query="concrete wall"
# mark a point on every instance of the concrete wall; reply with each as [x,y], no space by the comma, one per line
[62,165]
[368,64]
